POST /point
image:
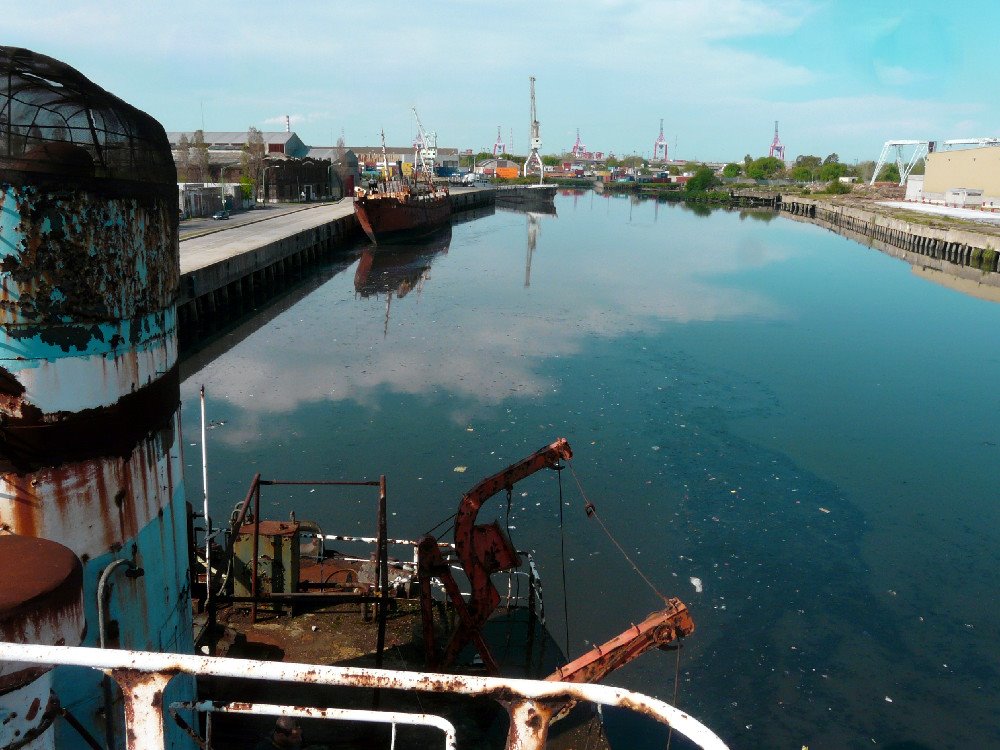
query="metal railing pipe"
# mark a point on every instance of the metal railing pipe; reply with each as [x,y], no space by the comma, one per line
[141,673]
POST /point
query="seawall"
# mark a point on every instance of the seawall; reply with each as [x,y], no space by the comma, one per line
[962,252]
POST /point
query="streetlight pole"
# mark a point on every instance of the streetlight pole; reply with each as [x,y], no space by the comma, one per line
[263,183]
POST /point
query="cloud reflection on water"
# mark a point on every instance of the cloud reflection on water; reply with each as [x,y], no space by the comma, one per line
[474,331]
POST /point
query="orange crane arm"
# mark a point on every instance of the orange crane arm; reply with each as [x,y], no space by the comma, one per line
[656,631]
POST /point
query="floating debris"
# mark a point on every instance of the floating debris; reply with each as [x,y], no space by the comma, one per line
[461,469]
[696,582]
[823,510]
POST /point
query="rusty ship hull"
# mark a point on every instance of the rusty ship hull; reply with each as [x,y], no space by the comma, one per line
[394,218]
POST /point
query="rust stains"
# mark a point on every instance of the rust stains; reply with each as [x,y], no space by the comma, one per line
[91,506]
[84,259]
[33,709]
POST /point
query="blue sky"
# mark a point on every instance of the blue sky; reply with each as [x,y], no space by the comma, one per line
[839,76]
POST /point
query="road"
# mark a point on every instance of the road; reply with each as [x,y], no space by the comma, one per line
[207,241]
[954,212]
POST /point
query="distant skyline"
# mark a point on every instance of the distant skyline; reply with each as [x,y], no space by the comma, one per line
[839,76]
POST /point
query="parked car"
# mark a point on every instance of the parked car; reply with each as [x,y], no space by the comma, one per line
[220,215]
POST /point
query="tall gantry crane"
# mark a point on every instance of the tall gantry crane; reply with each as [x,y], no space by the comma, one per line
[777,149]
[578,148]
[534,159]
[661,144]
[425,147]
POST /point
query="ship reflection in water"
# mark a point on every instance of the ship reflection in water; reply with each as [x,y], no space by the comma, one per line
[397,269]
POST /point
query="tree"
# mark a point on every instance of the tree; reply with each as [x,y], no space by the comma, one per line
[747,160]
[832,170]
[765,168]
[183,159]
[920,167]
[252,160]
[704,179]
[889,173]
[806,160]
[864,170]
[732,170]
[551,161]
[201,164]
[831,159]
[801,174]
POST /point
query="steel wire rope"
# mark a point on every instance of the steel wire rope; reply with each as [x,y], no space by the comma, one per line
[440,523]
[677,686]
[562,556]
[591,511]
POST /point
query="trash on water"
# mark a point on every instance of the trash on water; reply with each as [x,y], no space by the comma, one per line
[461,469]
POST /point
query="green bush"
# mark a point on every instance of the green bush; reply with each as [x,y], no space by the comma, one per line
[988,261]
[836,187]
[704,179]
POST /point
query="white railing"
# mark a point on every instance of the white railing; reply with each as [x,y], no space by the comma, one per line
[142,676]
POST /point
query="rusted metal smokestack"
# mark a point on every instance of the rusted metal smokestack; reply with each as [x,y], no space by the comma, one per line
[89,392]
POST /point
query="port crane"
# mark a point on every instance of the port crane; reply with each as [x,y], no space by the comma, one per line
[499,147]
[777,148]
[425,147]
[534,159]
[660,145]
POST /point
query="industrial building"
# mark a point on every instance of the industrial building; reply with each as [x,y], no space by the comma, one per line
[967,177]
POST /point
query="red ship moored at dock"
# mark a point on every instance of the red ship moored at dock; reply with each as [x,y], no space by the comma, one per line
[396,210]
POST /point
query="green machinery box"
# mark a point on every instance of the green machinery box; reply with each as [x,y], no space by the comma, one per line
[277,559]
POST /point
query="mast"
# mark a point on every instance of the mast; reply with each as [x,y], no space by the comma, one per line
[385,159]
[427,154]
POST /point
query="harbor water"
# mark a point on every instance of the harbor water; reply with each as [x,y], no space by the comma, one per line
[786,429]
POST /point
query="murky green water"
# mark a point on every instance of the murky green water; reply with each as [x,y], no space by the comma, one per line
[790,417]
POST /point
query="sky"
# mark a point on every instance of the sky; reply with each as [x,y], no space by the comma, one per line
[840,77]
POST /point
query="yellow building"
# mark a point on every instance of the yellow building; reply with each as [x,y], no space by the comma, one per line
[972,169]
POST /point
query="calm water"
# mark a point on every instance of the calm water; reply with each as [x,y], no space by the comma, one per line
[790,417]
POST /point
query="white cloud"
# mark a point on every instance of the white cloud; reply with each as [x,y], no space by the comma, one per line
[895,75]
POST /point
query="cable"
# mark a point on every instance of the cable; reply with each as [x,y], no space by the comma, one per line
[440,523]
[591,511]
[677,685]
[562,553]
